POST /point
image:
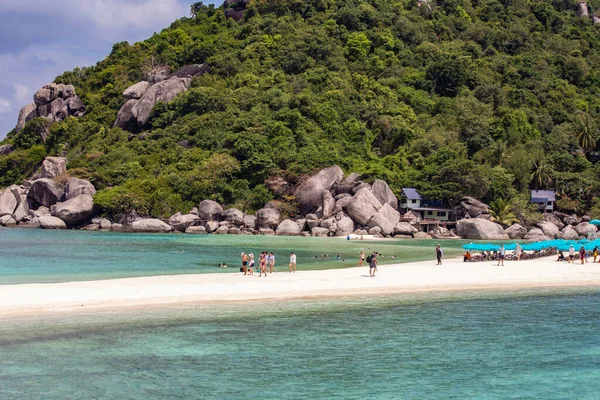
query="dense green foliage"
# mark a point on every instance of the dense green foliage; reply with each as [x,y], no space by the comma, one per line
[485,98]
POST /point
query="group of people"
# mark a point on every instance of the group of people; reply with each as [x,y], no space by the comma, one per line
[582,254]
[371,259]
[264,259]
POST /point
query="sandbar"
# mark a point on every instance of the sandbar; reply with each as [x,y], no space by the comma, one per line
[16,300]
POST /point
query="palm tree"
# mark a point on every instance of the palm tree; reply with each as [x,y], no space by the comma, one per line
[498,152]
[501,211]
[587,134]
[541,175]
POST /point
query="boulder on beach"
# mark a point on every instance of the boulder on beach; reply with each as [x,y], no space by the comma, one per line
[77,187]
[211,226]
[44,192]
[234,216]
[380,219]
[250,221]
[76,210]
[480,229]
[344,226]
[536,235]
[7,220]
[472,207]
[585,228]
[50,222]
[363,206]
[196,230]
[150,225]
[549,229]
[288,228]
[421,235]
[308,194]
[404,228]
[381,190]
[327,203]
[209,210]
[568,233]
[516,231]
[268,218]
[181,222]
[8,202]
[319,232]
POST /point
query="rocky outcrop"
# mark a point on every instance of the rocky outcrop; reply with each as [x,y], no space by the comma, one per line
[268,218]
[250,221]
[288,228]
[585,228]
[150,225]
[327,204]
[55,102]
[363,206]
[44,192]
[53,167]
[8,202]
[6,149]
[196,230]
[137,90]
[164,91]
[344,226]
[234,216]
[480,229]
[50,222]
[582,9]
[404,228]
[568,233]
[77,187]
[536,235]
[554,219]
[157,74]
[346,186]
[319,232]
[308,194]
[384,194]
[516,231]
[7,221]
[472,207]
[191,70]
[75,211]
[549,229]
[181,222]
[209,210]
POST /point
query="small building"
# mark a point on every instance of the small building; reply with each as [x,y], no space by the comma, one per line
[427,210]
[544,199]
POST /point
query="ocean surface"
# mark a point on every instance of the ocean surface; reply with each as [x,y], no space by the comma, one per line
[37,256]
[542,344]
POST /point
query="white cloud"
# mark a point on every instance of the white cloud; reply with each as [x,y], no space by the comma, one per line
[22,93]
[4,106]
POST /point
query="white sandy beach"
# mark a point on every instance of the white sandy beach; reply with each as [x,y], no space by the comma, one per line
[398,278]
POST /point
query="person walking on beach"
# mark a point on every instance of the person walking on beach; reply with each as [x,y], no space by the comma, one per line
[571,255]
[251,264]
[518,251]
[595,253]
[245,263]
[292,262]
[582,254]
[272,263]
[372,265]
[262,263]
[501,255]
[362,258]
[438,254]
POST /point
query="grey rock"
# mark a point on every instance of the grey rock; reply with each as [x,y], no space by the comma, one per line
[225,223]
[342,196]
[158,74]
[390,213]
[301,223]
[191,70]
[41,212]
[310,217]
[568,233]
[586,218]
[268,217]
[76,210]
[329,223]
[250,221]
[234,216]
[536,235]
[105,224]
[376,230]
[344,226]
[194,210]
[516,231]
[363,206]
[384,194]
[554,220]
[571,220]
[53,167]
[8,202]
[288,227]
[52,109]
[125,115]
[150,225]
[361,232]
[196,230]
[211,226]
[380,220]
[222,230]
[480,229]
[404,228]
[342,203]
[6,149]
[472,207]
[164,91]
[421,235]
[234,230]
[44,192]
[549,229]
[346,186]
[77,187]
[43,96]
[137,90]
[75,106]
[91,227]
[311,223]
[7,220]
[266,231]
[327,203]
[119,228]
[181,222]
[50,222]
[585,228]
[361,186]
[308,194]
[209,210]
[582,9]
[27,113]
[319,232]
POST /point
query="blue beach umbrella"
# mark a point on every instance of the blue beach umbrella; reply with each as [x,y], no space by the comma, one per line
[595,222]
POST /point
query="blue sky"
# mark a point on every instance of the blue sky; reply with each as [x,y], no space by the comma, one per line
[40,39]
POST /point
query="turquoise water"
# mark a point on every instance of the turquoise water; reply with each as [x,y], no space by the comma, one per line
[34,256]
[481,345]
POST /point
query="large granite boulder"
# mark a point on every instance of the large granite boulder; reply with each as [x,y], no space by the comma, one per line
[250,222]
[44,192]
[549,229]
[554,219]
[472,207]
[181,222]
[363,206]
[158,74]
[327,203]
[50,222]
[288,228]
[319,232]
[379,219]
[390,213]
[585,228]
[308,194]
[77,187]
[137,90]
[536,235]
[191,70]
[125,115]
[53,167]
[75,211]
[209,210]
[480,229]
[8,202]
[568,233]
[164,91]
[268,218]
[150,225]
[384,194]
[211,226]
[571,220]
[196,230]
[516,231]
[6,149]
[346,186]
[7,221]
[26,114]
[344,226]
[234,216]
[404,228]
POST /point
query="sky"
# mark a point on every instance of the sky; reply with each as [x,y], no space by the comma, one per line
[40,39]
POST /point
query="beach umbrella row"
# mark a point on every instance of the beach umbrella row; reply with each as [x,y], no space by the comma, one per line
[559,244]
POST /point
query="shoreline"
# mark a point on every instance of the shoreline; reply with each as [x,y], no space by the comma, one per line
[393,279]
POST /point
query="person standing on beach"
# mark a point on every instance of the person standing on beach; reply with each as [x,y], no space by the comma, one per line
[571,255]
[272,263]
[362,258]
[582,254]
[438,254]
[245,263]
[595,253]
[501,253]
[251,264]
[373,265]
[518,251]
[262,262]
[292,262]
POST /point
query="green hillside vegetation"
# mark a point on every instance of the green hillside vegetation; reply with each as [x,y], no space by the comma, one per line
[485,98]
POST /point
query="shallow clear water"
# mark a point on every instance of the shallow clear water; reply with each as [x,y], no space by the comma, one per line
[480,345]
[28,256]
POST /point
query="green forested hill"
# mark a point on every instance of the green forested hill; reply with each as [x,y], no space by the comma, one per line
[484,98]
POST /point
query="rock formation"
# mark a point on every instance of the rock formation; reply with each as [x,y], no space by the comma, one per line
[309,193]
[209,210]
[480,229]
[150,225]
[75,211]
